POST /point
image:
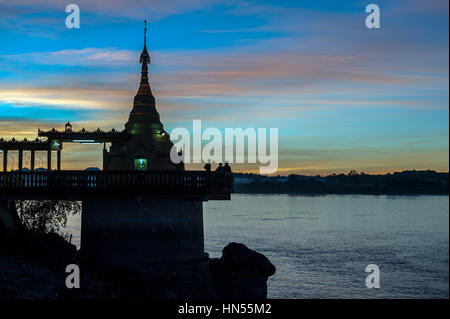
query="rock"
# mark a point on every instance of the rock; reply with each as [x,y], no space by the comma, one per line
[58,246]
[241,273]
[43,278]
[8,222]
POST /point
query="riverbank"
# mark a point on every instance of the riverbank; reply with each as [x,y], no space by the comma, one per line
[399,183]
[37,270]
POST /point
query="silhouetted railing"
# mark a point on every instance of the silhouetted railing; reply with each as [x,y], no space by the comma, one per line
[215,185]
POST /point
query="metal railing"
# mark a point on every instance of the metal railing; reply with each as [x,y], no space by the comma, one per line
[117,182]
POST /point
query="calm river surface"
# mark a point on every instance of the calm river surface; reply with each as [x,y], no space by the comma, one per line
[321,245]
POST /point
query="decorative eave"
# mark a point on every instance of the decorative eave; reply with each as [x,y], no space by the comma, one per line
[70,135]
[16,145]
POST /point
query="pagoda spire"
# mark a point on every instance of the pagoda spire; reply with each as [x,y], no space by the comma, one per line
[144,105]
[144,87]
[145,33]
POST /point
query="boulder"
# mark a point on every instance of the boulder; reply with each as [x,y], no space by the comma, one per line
[58,246]
[8,221]
[241,273]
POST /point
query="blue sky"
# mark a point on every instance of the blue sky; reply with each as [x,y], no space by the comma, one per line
[343,96]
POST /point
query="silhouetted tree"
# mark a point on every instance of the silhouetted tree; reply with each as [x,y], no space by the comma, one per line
[45,216]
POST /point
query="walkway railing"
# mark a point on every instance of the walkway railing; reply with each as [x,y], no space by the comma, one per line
[86,183]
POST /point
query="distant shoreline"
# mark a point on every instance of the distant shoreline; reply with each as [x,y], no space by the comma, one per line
[326,194]
[406,183]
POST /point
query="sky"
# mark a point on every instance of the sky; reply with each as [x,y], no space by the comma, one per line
[343,97]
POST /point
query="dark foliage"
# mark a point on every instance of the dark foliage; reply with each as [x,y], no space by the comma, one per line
[43,217]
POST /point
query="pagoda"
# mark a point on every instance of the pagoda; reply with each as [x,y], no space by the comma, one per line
[148,145]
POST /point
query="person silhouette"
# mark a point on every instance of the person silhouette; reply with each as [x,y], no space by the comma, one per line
[208,166]
[219,169]
[227,168]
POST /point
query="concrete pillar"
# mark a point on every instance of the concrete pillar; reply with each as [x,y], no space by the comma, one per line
[58,160]
[33,155]
[5,160]
[20,160]
[136,233]
[49,159]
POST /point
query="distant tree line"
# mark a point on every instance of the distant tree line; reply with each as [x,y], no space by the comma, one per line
[400,183]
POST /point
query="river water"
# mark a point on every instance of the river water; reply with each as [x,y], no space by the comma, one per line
[321,245]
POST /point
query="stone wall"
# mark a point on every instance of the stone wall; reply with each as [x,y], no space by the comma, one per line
[134,232]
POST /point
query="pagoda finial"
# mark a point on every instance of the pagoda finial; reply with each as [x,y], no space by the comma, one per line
[145,33]
[144,88]
[145,57]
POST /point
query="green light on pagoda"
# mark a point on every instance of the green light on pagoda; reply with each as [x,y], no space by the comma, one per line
[140,164]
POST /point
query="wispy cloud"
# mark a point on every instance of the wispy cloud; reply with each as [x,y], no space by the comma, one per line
[65,98]
[72,57]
